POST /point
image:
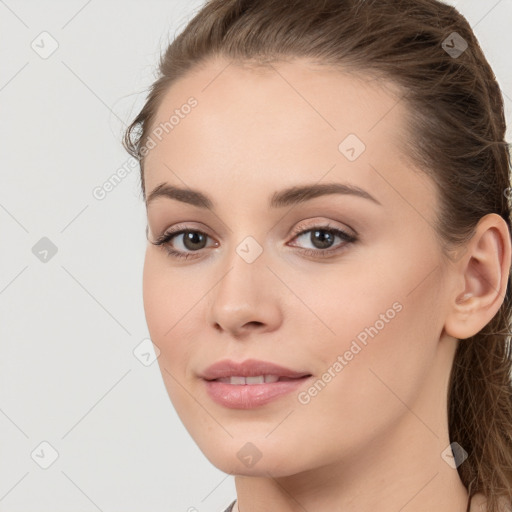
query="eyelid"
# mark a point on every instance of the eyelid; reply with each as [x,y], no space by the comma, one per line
[179,229]
[325,225]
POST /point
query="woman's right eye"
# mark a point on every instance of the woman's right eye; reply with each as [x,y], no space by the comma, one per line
[190,240]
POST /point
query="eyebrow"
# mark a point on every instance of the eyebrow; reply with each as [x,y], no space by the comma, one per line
[290,196]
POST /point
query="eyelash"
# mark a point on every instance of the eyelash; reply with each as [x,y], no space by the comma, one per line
[164,240]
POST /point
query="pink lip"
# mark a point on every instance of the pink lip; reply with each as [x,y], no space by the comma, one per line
[248,368]
[247,396]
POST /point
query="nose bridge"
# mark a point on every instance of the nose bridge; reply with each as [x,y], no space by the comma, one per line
[242,295]
[243,276]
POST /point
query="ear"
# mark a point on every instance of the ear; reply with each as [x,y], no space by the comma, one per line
[481,277]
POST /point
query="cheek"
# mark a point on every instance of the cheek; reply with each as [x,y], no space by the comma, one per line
[363,394]
[168,293]
[167,303]
[159,301]
[386,337]
[382,312]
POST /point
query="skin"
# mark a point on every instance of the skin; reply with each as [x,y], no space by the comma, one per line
[372,439]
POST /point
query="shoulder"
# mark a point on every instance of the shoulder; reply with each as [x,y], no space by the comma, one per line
[479,504]
[230,508]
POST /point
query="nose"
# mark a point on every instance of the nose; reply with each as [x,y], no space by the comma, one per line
[246,299]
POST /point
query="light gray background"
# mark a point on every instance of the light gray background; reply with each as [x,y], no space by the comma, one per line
[69,326]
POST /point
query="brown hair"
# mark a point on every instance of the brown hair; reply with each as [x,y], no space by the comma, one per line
[457,130]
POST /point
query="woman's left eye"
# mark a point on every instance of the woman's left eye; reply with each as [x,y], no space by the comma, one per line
[322,238]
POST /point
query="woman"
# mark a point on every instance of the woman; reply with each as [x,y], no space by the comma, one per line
[327,278]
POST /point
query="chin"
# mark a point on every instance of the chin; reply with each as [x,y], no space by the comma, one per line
[246,459]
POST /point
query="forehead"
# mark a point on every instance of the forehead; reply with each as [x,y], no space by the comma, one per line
[262,123]
[308,89]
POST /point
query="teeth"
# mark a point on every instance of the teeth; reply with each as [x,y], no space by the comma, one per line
[259,379]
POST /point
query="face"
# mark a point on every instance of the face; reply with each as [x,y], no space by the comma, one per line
[345,286]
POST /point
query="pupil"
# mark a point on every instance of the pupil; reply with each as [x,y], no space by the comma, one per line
[323,240]
[193,238]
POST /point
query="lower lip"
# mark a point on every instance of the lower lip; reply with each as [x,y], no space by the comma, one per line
[248,396]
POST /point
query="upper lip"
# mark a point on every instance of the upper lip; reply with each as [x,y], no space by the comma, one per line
[248,368]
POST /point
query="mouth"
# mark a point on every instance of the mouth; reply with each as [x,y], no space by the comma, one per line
[252,392]
[239,380]
[251,370]
[250,383]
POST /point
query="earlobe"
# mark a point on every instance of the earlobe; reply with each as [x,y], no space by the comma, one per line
[481,277]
